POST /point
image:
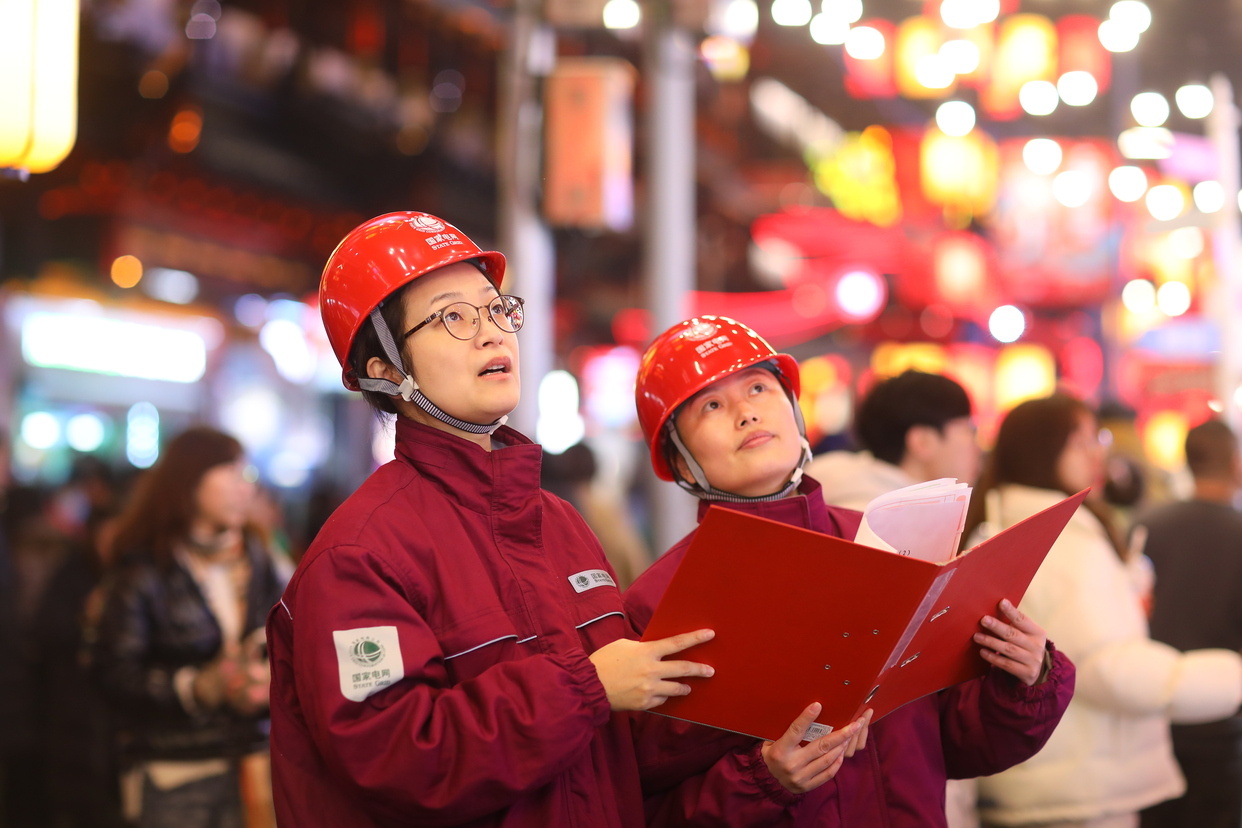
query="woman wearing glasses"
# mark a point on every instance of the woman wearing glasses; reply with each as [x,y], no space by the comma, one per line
[452,648]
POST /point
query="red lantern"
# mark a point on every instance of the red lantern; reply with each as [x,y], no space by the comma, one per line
[1078,42]
[873,78]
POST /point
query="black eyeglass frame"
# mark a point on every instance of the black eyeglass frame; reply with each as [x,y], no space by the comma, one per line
[509,300]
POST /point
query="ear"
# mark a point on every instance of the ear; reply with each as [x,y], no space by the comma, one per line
[920,442]
[379,369]
[680,467]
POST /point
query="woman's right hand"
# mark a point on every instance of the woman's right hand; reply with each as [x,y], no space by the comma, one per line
[635,676]
[802,768]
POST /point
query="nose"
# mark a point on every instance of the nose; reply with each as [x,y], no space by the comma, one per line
[746,414]
[490,332]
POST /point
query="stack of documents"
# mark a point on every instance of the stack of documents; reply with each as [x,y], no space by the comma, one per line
[921,521]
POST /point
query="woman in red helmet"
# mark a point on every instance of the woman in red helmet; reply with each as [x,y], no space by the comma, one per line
[452,647]
[718,408]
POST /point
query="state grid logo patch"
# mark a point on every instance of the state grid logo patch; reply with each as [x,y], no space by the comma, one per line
[369,659]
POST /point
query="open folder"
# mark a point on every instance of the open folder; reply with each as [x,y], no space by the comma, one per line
[802,617]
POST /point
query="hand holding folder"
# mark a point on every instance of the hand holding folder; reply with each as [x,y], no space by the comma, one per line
[856,626]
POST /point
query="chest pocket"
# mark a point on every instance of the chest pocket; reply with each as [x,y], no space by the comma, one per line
[478,643]
[599,617]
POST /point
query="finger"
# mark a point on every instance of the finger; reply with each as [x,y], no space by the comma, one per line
[1018,618]
[866,729]
[665,690]
[806,764]
[675,644]
[829,742]
[1009,649]
[824,775]
[1026,672]
[675,669]
[793,734]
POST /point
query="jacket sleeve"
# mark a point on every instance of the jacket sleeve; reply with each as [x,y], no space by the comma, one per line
[1090,601]
[737,791]
[121,650]
[994,722]
[424,750]
[1142,676]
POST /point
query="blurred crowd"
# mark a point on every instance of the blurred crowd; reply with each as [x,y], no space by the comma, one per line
[132,611]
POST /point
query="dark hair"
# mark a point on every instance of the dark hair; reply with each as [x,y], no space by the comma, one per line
[897,404]
[1211,449]
[1027,453]
[163,503]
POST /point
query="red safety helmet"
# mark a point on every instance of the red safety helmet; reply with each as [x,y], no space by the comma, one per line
[380,256]
[687,358]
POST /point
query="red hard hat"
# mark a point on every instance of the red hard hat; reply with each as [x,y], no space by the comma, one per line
[376,259]
[687,358]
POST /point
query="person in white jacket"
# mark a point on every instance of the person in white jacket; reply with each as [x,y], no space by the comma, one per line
[1112,754]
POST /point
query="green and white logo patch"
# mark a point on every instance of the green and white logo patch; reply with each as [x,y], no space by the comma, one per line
[369,659]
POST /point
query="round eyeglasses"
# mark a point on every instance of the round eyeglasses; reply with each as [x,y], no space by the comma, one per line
[462,320]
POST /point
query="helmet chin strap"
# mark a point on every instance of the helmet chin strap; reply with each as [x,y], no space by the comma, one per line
[704,490]
[409,391]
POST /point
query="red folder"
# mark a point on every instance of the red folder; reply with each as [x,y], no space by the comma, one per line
[802,617]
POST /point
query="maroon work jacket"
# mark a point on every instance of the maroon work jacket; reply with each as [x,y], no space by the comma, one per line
[429,658]
[977,728]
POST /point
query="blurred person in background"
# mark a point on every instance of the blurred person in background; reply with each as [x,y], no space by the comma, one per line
[571,475]
[1196,550]
[1112,754]
[913,427]
[179,648]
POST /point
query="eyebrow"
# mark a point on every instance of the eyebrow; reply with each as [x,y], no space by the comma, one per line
[448,295]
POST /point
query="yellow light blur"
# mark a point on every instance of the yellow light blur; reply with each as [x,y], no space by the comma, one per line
[919,70]
[38,82]
[959,172]
[126,271]
[892,358]
[1164,439]
[861,178]
[1024,372]
[1026,50]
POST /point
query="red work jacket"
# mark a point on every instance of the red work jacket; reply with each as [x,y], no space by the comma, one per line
[977,728]
[429,657]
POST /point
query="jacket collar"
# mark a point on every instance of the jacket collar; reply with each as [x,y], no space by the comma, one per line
[476,479]
[806,509]
[1017,503]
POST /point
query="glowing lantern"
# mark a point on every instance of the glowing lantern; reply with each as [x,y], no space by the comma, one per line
[892,358]
[872,77]
[38,82]
[984,39]
[918,46]
[1024,372]
[1164,436]
[959,172]
[1026,50]
[1080,49]
[960,269]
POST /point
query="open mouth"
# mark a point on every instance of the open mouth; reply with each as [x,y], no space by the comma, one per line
[496,366]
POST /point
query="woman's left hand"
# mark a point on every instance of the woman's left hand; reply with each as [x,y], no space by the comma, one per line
[1016,647]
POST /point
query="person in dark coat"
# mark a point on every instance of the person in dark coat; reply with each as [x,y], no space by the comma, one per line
[1196,550]
[179,650]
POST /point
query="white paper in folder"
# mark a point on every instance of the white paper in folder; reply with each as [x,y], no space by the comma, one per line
[920,521]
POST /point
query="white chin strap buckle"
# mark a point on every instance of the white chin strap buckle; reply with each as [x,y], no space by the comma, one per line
[407,387]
